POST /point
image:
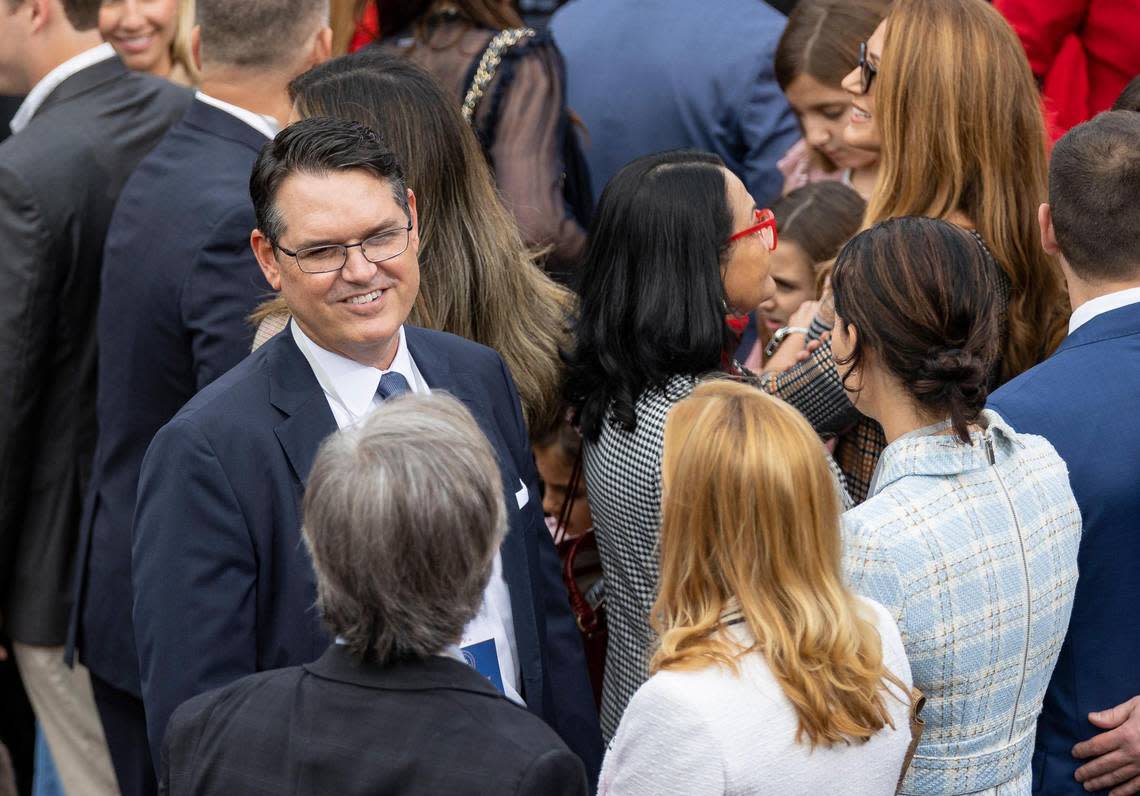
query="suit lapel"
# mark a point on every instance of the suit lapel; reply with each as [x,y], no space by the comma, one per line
[294,390]
[214,121]
[445,374]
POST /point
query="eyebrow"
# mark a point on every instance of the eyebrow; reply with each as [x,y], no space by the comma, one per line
[388,225]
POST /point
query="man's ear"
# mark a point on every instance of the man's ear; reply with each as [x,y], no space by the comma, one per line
[196,46]
[321,49]
[266,258]
[1048,233]
[41,13]
[413,216]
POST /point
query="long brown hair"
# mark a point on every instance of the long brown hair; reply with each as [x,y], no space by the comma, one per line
[750,520]
[477,278]
[822,39]
[963,133]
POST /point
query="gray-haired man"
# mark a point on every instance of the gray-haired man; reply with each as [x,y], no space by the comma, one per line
[390,707]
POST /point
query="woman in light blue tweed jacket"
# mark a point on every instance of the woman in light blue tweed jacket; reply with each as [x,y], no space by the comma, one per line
[969,536]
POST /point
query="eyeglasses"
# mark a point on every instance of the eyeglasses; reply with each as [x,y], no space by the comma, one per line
[867,70]
[331,257]
[765,227]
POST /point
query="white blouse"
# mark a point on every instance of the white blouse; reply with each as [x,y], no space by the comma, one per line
[710,732]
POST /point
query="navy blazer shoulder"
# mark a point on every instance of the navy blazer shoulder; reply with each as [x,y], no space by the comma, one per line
[1083,399]
[179,281]
[223,586]
[337,726]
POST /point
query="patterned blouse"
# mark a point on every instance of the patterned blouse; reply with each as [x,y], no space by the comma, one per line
[973,549]
[623,480]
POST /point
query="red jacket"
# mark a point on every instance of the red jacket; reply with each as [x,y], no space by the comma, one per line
[1083,51]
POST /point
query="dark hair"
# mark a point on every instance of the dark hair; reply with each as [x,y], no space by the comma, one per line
[822,39]
[819,218]
[318,146]
[82,14]
[257,33]
[1094,194]
[652,302]
[402,16]
[923,296]
[1129,99]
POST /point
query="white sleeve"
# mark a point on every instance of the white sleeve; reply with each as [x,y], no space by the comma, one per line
[663,747]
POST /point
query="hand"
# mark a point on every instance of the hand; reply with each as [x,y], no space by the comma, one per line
[827,303]
[804,315]
[1116,752]
[805,354]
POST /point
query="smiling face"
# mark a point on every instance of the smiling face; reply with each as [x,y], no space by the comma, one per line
[824,112]
[861,131]
[141,31]
[356,311]
[746,276]
[794,275]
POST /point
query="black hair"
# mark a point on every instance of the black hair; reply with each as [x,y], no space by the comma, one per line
[923,295]
[82,14]
[1094,196]
[652,301]
[318,146]
[1129,99]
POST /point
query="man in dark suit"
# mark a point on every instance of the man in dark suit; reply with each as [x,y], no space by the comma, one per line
[1083,399]
[179,281]
[222,585]
[403,519]
[80,132]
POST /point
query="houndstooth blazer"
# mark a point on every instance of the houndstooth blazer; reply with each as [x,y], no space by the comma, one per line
[623,481]
[973,549]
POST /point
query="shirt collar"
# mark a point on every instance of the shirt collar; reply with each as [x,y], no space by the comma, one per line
[51,81]
[350,381]
[267,125]
[1102,304]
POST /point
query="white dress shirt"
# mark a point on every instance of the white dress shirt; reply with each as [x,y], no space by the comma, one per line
[350,389]
[1102,304]
[266,125]
[50,82]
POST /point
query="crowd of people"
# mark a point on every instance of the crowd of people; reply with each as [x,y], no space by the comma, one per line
[502,410]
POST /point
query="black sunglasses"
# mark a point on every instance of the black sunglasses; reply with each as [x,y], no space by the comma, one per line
[867,70]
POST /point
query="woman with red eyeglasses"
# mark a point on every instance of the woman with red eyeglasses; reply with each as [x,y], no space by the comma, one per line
[676,245]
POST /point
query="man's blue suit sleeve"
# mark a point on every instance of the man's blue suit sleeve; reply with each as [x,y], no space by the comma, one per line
[194,574]
[769,129]
[222,288]
[570,699]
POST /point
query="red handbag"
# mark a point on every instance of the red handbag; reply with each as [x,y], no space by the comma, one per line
[580,564]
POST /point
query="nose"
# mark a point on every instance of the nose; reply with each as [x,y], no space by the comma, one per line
[132,15]
[769,302]
[815,133]
[549,504]
[853,83]
[358,268]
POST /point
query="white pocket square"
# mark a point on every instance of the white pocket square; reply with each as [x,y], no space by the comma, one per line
[522,496]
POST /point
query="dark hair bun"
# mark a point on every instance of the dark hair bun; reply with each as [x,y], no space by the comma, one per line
[951,375]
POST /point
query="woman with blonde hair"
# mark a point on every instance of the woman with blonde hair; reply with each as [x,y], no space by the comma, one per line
[943,90]
[769,674]
[477,278]
[152,36]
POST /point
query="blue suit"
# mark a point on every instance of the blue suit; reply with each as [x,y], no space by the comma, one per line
[222,581]
[1083,399]
[652,75]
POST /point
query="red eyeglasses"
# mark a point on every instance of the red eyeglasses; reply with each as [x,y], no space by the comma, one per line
[765,227]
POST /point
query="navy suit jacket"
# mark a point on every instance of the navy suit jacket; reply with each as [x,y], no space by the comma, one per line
[179,279]
[223,585]
[1084,400]
[652,75]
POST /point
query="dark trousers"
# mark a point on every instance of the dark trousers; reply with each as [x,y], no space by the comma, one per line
[124,723]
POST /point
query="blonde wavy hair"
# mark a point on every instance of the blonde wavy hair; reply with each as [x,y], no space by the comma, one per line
[750,521]
[184,69]
[962,133]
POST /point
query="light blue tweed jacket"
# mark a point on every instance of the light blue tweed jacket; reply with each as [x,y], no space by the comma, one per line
[973,549]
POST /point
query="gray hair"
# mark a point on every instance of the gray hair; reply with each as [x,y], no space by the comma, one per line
[257,33]
[403,516]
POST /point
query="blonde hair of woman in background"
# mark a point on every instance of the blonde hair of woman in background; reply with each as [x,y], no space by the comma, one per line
[752,597]
[152,36]
[477,278]
[962,134]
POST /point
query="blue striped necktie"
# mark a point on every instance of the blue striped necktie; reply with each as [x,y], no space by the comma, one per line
[392,383]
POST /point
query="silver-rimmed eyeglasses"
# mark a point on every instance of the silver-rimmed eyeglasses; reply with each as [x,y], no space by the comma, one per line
[377,248]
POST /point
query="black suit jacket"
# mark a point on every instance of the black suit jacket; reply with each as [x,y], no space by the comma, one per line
[335,726]
[179,280]
[59,179]
[223,586]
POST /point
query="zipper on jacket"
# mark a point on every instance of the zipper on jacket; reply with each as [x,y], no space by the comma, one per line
[1025,575]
